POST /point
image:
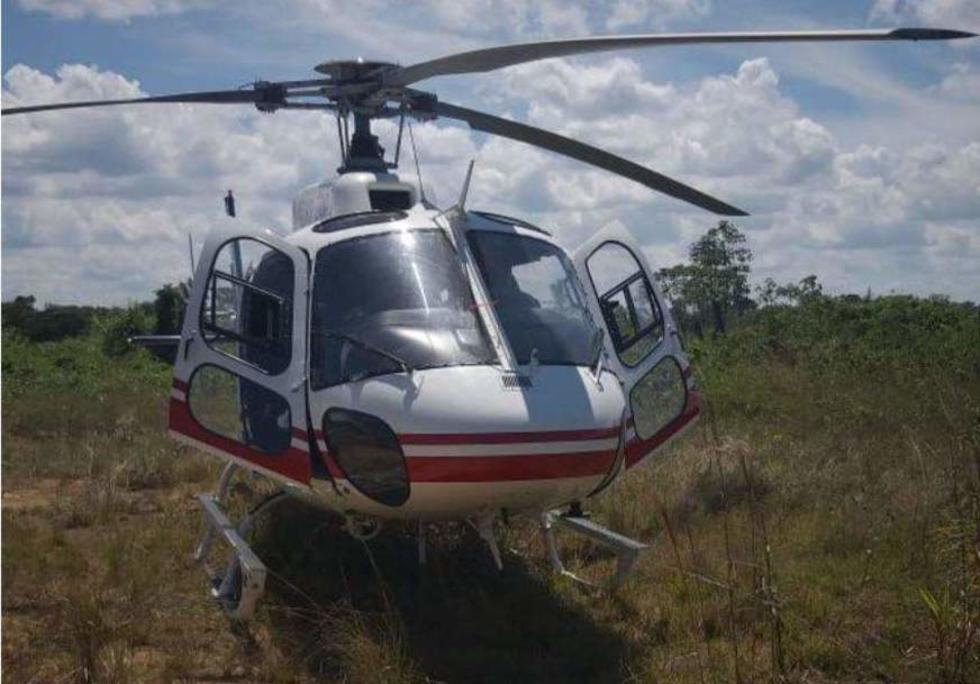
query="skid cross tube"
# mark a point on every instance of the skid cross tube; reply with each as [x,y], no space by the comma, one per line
[627,550]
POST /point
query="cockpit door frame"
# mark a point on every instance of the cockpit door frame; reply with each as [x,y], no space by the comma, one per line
[669,346]
[290,464]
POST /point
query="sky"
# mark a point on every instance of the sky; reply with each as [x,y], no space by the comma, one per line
[859,163]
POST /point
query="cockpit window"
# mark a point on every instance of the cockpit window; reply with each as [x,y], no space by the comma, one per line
[390,303]
[537,297]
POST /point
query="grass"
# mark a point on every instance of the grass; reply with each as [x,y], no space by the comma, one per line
[820,524]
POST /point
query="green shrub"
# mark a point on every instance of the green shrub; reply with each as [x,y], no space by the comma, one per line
[117,328]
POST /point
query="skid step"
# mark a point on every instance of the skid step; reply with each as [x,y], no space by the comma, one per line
[627,550]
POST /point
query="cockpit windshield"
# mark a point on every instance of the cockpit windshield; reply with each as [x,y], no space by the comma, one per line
[537,297]
[392,302]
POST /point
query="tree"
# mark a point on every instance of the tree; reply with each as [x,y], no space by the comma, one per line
[19,313]
[716,282]
[169,308]
[51,323]
[807,291]
[677,283]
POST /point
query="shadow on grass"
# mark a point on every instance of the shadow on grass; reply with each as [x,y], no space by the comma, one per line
[456,620]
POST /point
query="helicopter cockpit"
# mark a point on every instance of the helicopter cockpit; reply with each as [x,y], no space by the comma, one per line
[401,301]
[391,302]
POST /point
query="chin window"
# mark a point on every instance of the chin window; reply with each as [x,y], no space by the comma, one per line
[367,450]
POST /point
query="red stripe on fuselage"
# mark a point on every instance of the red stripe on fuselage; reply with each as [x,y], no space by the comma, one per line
[509,468]
[506,437]
[292,463]
[512,467]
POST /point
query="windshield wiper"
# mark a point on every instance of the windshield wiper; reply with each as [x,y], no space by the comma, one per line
[402,363]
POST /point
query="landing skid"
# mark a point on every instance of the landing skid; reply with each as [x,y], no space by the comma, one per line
[627,550]
[240,586]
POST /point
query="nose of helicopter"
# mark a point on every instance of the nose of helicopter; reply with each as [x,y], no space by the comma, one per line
[475,438]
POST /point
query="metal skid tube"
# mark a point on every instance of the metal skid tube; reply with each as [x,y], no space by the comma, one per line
[245,567]
[627,550]
[242,584]
[224,482]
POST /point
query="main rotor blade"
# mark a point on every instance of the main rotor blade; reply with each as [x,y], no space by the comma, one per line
[215,97]
[501,56]
[261,94]
[590,155]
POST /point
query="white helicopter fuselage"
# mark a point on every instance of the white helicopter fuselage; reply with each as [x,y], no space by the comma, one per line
[420,382]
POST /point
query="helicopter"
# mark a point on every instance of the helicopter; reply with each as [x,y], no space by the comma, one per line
[389,359]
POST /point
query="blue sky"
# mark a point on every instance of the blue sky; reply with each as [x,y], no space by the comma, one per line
[859,163]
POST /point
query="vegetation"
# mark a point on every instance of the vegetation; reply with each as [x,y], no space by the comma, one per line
[821,523]
[51,323]
[55,322]
[169,308]
[715,284]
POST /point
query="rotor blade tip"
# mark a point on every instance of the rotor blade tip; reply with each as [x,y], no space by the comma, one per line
[930,34]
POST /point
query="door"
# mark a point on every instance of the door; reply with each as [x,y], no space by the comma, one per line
[642,344]
[239,387]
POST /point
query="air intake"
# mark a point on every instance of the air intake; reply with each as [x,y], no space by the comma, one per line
[515,381]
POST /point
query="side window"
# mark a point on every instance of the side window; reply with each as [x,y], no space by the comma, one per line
[659,398]
[239,409]
[247,310]
[629,307]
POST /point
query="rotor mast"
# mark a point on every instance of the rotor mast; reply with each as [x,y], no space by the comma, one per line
[364,152]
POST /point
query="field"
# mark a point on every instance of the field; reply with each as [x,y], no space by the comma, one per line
[822,523]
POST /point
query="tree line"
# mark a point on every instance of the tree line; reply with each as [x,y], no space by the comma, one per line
[711,292]
[162,316]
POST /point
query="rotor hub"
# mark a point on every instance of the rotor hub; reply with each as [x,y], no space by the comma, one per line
[352,70]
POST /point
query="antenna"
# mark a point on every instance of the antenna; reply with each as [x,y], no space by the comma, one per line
[415,154]
[190,250]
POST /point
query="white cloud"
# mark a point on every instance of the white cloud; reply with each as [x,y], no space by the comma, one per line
[560,17]
[954,14]
[962,83]
[450,19]
[111,10]
[727,125]
[128,184]
[658,13]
